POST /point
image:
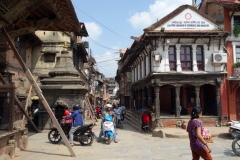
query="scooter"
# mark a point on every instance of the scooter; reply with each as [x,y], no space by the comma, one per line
[108,129]
[234,128]
[84,134]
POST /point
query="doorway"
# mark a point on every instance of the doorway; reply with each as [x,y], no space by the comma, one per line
[238,104]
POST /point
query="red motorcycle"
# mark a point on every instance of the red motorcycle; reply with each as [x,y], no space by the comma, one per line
[98,112]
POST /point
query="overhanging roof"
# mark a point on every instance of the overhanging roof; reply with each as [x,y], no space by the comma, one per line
[25,16]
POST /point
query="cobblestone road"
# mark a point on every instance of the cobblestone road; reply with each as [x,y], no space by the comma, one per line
[132,146]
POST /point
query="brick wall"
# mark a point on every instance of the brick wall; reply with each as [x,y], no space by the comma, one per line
[169,123]
[209,123]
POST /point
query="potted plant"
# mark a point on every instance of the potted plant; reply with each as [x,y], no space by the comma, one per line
[236,67]
[236,29]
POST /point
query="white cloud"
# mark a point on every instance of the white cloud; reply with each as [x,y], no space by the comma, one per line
[93,29]
[107,63]
[156,11]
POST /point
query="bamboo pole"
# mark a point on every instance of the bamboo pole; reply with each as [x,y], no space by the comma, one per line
[38,91]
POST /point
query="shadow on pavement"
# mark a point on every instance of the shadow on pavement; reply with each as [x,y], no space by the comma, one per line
[47,153]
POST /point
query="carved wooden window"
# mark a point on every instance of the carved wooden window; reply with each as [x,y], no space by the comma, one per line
[200,58]
[4,108]
[186,58]
[238,54]
[172,58]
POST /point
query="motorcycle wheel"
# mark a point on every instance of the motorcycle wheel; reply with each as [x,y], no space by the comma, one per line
[109,140]
[54,136]
[90,139]
[235,134]
[120,124]
[236,146]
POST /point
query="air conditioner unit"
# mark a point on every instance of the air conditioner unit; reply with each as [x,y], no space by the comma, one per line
[219,58]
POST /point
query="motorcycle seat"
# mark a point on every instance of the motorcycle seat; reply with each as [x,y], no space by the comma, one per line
[86,125]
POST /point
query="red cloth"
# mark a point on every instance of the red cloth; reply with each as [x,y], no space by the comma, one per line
[98,109]
[66,114]
[145,117]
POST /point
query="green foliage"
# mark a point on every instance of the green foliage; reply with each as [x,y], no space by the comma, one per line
[236,29]
[236,65]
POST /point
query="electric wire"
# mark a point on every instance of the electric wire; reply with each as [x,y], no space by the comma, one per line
[100,23]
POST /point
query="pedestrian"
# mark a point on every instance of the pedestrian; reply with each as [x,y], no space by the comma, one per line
[146,119]
[77,121]
[123,109]
[198,145]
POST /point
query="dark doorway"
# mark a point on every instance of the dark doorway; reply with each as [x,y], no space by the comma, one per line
[238,104]
[167,99]
[59,111]
[208,99]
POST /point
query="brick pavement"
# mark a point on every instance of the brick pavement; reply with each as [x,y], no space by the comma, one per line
[132,146]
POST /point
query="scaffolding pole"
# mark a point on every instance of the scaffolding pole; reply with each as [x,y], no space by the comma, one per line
[38,91]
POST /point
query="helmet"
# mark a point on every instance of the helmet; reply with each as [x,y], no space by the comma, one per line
[108,118]
[108,106]
[76,106]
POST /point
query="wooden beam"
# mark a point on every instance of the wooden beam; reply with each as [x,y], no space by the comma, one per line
[164,41]
[178,40]
[38,91]
[219,45]
[26,105]
[209,42]
[195,39]
[232,14]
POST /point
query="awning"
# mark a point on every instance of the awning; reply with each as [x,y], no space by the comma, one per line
[34,98]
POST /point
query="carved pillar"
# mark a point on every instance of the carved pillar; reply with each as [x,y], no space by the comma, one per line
[218,100]
[197,90]
[145,98]
[194,57]
[140,98]
[178,50]
[157,101]
[177,100]
[149,89]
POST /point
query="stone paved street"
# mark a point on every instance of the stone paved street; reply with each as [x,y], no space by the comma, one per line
[132,146]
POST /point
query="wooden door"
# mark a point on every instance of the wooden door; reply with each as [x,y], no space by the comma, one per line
[238,104]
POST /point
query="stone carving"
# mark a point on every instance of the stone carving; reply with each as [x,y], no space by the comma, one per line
[60,102]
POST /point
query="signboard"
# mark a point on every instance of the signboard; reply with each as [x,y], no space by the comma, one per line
[188,20]
[129,76]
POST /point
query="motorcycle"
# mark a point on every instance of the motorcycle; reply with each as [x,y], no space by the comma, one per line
[119,122]
[108,129]
[234,128]
[98,112]
[236,146]
[84,134]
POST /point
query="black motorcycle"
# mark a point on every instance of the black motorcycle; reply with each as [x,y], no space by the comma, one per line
[236,146]
[83,134]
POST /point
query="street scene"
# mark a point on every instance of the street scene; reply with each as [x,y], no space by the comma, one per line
[132,145]
[120,80]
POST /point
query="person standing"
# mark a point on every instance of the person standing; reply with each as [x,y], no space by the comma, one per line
[198,145]
[77,121]
[123,109]
[146,119]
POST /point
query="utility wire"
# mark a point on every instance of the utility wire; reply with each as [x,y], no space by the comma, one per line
[100,23]
[95,42]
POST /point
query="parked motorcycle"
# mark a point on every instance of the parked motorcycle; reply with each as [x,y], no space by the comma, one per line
[108,129]
[234,128]
[83,134]
[236,146]
[98,112]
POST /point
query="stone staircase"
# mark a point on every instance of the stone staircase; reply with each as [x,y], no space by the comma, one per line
[133,119]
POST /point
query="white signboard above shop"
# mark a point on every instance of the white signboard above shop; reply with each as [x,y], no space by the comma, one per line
[188,20]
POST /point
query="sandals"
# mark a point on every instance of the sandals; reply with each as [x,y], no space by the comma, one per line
[72,144]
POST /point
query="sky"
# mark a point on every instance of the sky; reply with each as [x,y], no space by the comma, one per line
[111,23]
